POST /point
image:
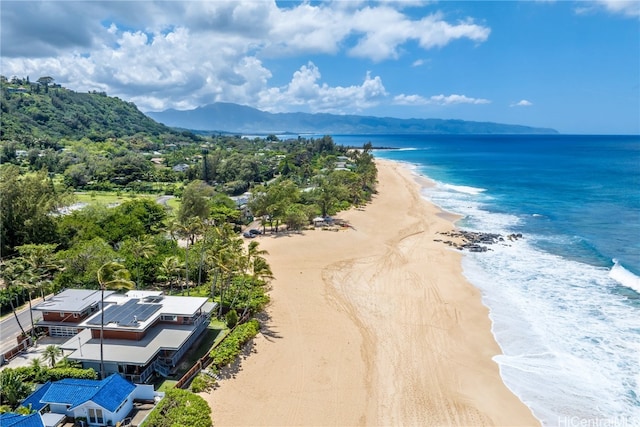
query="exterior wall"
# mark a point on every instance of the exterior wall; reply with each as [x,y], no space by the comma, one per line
[109,367]
[144,392]
[64,317]
[118,335]
[109,418]
[57,408]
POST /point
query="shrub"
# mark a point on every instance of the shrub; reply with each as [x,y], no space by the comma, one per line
[180,408]
[232,318]
[228,349]
[202,382]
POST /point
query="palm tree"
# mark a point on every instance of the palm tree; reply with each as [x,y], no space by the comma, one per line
[141,249]
[111,275]
[189,229]
[10,272]
[169,269]
[51,353]
[259,267]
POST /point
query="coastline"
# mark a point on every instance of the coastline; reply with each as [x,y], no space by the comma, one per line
[372,325]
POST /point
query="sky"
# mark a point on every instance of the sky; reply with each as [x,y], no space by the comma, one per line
[569,65]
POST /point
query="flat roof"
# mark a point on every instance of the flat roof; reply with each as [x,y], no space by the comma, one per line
[158,305]
[169,337]
[72,300]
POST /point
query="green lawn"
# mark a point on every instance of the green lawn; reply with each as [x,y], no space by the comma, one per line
[109,197]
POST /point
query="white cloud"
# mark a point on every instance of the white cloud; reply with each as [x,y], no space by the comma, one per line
[456,99]
[522,103]
[386,29]
[162,54]
[629,8]
[403,99]
[418,62]
[305,92]
[622,7]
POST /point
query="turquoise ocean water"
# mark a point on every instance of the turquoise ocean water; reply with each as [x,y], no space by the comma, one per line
[565,300]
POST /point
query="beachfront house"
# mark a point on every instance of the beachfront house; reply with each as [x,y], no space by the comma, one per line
[63,313]
[145,333]
[93,402]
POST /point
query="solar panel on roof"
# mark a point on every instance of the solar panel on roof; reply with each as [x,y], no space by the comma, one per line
[127,314]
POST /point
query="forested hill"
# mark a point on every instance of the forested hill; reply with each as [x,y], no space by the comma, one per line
[229,117]
[45,110]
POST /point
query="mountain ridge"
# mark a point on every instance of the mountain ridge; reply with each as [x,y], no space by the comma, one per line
[236,118]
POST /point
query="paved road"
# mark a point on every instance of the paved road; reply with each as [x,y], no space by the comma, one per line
[9,328]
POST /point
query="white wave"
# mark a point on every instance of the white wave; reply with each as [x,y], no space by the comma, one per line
[624,276]
[569,345]
[464,189]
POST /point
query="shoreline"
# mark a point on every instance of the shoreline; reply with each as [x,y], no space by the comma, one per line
[363,330]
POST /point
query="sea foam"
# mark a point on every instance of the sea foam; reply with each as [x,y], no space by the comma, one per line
[624,276]
[569,341]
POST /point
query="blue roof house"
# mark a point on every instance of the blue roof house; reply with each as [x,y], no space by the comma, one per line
[101,402]
[9,419]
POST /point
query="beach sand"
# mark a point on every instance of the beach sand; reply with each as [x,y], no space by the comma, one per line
[372,325]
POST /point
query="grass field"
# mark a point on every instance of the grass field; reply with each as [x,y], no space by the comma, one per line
[109,197]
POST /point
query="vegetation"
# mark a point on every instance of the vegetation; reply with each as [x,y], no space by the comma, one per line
[51,353]
[17,383]
[180,408]
[230,348]
[50,112]
[202,382]
[56,143]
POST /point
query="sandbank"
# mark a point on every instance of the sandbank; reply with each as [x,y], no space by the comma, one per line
[373,325]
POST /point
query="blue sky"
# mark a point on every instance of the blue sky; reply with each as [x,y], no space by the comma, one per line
[569,65]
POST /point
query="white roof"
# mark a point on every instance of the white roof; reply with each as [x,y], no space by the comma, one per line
[169,305]
[72,300]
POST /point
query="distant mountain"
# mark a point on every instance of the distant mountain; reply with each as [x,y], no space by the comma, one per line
[227,117]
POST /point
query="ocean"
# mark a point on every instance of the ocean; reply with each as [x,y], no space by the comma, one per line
[565,299]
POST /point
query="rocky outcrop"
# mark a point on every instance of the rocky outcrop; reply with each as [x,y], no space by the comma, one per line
[475,241]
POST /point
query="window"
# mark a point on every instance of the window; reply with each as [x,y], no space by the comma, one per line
[169,318]
[46,313]
[62,331]
[95,416]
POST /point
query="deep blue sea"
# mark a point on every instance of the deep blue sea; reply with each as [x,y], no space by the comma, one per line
[565,299]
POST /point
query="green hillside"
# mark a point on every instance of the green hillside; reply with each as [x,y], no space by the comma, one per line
[45,110]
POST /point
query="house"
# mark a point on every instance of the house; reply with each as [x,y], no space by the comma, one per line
[100,402]
[63,313]
[181,167]
[10,419]
[145,332]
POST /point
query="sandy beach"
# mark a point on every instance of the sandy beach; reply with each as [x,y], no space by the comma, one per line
[373,325]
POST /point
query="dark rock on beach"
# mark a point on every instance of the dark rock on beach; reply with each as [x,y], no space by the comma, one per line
[475,241]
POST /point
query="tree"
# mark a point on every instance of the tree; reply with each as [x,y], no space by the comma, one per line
[27,204]
[12,388]
[51,353]
[140,249]
[170,269]
[111,275]
[81,263]
[195,201]
[41,264]
[10,274]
